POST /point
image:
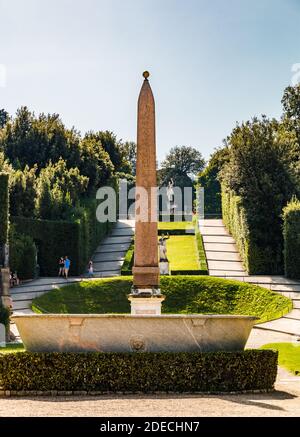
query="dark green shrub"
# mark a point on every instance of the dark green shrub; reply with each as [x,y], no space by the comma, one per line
[126,269]
[140,372]
[291,234]
[259,256]
[4,315]
[22,254]
[4,208]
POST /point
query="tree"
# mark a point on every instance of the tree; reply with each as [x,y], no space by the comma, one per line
[262,171]
[129,153]
[181,164]
[3,118]
[23,192]
[209,180]
[58,190]
[111,145]
[291,101]
[95,163]
[30,140]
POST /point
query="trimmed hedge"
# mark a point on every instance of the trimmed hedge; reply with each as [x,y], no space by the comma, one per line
[259,256]
[4,208]
[4,315]
[291,234]
[126,269]
[22,256]
[140,372]
[54,239]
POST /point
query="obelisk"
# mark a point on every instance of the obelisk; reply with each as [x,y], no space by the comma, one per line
[146,269]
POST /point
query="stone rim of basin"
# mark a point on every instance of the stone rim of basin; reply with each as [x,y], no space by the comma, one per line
[138,316]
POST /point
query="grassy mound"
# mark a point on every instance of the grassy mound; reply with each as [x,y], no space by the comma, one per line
[184,295]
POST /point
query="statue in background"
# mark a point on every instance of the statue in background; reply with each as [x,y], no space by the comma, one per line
[163,248]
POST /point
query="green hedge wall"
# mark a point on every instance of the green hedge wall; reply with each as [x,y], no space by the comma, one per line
[54,239]
[22,255]
[4,208]
[4,315]
[260,256]
[140,372]
[291,234]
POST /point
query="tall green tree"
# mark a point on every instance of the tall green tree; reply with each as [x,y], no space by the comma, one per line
[3,118]
[23,191]
[95,163]
[181,164]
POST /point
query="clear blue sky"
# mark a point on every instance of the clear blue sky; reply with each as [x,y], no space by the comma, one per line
[212,62]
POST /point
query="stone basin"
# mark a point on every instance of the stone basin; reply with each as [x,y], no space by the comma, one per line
[127,333]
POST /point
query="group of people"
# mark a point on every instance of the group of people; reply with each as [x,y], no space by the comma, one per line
[64,267]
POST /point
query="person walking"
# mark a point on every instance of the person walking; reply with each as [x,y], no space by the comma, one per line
[91,269]
[61,265]
[67,264]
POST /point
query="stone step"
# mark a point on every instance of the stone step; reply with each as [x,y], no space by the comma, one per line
[21,305]
[111,248]
[296,304]
[107,274]
[226,266]
[27,296]
[220,247]
[232,274]
[285,325]
[112,256]
[44,287]
[107,265]
[290,294]
[122,232]
[294,314]
[222,256]
[218,239]
[211,230]
[286,287]
[211,222]
[116,240]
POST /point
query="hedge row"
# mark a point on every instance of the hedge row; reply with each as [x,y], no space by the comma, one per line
[258,254]
[291,234]
[140,372]
[4,315]
[54,239]
[22,254]
[4,208]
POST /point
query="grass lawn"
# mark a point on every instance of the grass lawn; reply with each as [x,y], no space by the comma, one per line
[289,355]
[182,252]
[172,226]
[184,295]
[16,347]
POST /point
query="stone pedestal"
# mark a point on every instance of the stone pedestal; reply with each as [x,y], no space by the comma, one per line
[146,303]
[164,268]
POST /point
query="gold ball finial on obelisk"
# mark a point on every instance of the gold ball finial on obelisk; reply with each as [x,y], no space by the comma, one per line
[146,74]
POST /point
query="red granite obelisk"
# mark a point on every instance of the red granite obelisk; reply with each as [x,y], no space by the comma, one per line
[146,270]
